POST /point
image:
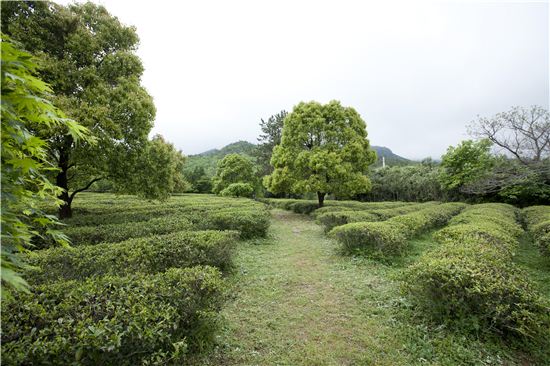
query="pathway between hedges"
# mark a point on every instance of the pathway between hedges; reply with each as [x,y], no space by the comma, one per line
[297,302]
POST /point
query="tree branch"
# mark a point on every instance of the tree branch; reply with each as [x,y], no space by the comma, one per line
[84,188]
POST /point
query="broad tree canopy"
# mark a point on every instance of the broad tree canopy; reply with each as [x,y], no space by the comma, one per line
[324,149]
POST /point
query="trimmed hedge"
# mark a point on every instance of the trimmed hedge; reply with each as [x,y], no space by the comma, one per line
[389,238]
[336,218]
[249,222]
[477,287]
[143,255]
[88,235]
[537,219]
[330,220]
[471,280]
[312,206]
[238,190]
[142,319]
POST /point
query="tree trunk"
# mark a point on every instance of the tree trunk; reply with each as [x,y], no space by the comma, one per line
[62,180]
[321,197]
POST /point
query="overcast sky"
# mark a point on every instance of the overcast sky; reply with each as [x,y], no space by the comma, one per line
[417,72]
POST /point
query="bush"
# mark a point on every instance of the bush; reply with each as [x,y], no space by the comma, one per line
[389,238]
[477,287]
[250,224]
[379,238]
[331,220]
[142,319]
[537,220]
[143,255]
[486,233]
[238,190]
[86,235]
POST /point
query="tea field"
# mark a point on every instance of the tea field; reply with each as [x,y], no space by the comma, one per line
[209,280]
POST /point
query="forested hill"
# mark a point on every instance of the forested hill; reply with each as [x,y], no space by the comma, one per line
[390,157]
[209,159]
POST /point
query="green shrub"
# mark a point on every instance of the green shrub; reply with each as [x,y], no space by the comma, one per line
[250,224]
[487,233]
[379,238]
[537,220]
[142,255]
[389,238]
[478,288]
[114,320]
[86,235]
[331,220]
[238,190]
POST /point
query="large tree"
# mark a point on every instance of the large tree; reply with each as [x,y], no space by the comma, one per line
[523,133]
[272,131]
[233,168]
[324,149]
[87,56]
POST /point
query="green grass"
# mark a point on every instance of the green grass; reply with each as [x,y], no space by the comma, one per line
[297,301]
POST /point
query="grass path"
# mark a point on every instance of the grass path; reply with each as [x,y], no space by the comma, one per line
[299,303]
[296,301]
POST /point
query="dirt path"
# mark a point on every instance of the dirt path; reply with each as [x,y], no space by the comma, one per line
[297,302]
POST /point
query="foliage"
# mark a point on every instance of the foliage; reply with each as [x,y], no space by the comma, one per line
[141,319]
[324,149]
[471,281]
[389,238]
[200,182]
[537,219]
[269,138]
[238,190]
[88,57]
[159,172]
[209,160]
[466,163]
[418,182]
[26,189]
[151,255]
[331,219]
[478,289]
[233,168]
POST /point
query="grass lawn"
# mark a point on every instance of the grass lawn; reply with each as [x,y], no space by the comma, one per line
[296,301]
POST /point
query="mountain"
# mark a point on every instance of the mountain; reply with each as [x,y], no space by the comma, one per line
[209,159]
[390,158]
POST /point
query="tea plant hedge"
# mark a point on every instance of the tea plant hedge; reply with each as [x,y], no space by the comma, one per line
[389,238]
[141,284]
[142,255]
[114,320]
[472,282]
[537,220]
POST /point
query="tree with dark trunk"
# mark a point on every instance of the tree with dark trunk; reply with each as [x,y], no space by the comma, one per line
[324,149]
[88,58]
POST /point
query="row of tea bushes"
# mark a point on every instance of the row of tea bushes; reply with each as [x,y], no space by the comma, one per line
[537,220]
[471,281]
[312,206]
[111,320]
[334,218]
[142,255]
[147,212]
[390,237]
[148,292]
[249,222]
